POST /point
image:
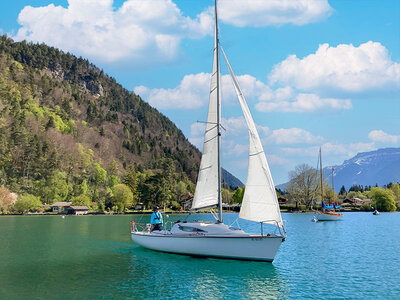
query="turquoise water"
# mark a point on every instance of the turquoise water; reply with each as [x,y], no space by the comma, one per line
[92,257]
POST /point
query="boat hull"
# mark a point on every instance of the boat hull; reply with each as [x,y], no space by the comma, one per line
[250,247]
[329,217]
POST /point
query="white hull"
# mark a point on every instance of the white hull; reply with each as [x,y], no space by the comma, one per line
[328,216]
[233,246]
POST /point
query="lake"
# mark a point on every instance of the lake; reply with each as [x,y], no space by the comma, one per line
[48,257]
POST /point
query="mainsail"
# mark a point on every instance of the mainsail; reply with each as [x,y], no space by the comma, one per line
[260,203]
[208,181]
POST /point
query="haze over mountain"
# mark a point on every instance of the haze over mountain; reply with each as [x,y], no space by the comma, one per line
[379,167]
[367,168]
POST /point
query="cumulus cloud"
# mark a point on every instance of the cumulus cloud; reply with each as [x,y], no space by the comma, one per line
[381,136]
[344,67]
[293,136]
[193,91]
[283,100]
[260,13]
[139,31]
[236,126]
[330,148]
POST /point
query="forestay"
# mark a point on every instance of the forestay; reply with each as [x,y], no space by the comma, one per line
[206,193]
[260,203]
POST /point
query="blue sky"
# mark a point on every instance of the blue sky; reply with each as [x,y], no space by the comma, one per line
[315,73]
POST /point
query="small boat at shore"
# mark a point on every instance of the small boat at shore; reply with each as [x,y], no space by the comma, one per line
[260,203]
[327,213]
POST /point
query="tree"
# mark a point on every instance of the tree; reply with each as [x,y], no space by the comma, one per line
[6,199]
[27,202]
[343,191]
[83,200]
[395,188]
[130,179]
[383,199]
[57,188]
[122,197]
[99,175]
[237,196]
[303,185]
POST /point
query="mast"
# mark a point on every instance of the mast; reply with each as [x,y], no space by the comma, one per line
[218,116]
[320,169]
[333,185]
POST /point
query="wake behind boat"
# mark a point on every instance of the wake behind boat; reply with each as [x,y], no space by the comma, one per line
[260,203]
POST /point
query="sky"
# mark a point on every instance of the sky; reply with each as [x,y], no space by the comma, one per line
[315,73]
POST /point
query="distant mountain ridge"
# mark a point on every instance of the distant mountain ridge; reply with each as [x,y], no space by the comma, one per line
[367,168]
[379,167]
[230,179]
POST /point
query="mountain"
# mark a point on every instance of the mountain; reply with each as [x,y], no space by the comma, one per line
[367,168]
[68,129]
[231,180]
[379,167]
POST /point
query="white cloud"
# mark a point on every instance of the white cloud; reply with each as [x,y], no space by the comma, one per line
[293,136]
[274,159]
[194,90]
[197,129]
[191,93]
[381,136]
[139,31]
[279,101]
[329,148]
[260,13]
[344,67]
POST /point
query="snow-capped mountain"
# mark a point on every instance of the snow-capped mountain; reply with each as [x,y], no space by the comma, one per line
[367,168]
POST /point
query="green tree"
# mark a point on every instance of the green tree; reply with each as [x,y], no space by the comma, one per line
[81,200]
[130,179]
[27,202]
[395,188]
[99,175]
[122,197]
[383,199]
[57,188]
[237,196]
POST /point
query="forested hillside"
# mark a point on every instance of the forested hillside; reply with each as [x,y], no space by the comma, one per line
[69,131]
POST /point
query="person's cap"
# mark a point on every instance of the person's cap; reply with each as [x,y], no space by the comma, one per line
[155,208]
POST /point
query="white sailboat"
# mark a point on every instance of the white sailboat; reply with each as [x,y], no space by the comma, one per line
[260,203]
[328,212]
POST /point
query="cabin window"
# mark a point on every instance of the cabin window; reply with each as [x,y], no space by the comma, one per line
[190,229]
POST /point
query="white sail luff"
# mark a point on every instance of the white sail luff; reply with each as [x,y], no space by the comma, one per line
[208,186]
[260,202]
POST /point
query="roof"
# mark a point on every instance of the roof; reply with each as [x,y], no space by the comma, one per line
[62,204]
[80,207]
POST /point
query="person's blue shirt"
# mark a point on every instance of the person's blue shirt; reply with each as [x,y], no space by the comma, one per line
[156,218]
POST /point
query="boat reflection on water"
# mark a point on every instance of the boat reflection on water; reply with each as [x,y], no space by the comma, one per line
[163,275]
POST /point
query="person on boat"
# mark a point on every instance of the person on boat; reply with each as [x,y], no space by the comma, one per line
[156,219]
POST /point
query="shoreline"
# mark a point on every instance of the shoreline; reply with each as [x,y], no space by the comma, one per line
[170,213]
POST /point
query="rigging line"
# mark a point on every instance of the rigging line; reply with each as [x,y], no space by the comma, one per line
[211,128]
[205,168]
[211,123]
[254,154]
[210,139]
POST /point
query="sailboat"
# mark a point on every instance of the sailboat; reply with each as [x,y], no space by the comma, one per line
[328,212]
[260,203]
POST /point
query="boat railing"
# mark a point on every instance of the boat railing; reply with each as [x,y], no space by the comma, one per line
[281,229]
[147,227]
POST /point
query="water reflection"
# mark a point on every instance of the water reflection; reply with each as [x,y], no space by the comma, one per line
[176,276]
